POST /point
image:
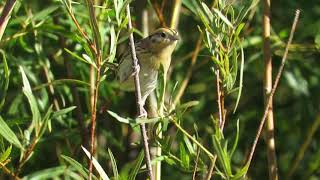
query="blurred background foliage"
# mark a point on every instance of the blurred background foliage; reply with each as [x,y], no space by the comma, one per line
[43,43]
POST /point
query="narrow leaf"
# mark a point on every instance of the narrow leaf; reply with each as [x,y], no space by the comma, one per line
[8,134]
[82,170]
[137,166]
[96,164]
[114,165]
[223,18]
[32,102]
[63,111]
[4,156]
[4,83]
[241,79]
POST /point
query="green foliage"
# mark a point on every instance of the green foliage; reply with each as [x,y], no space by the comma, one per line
[45,99]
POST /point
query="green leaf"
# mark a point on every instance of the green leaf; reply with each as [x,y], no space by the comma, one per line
[188,105]
[44,13]
[96,164]
[4,156]
[32,102]
[137,166]
[119,118]
[8,134]
[222,155]
[4,83]
[235,144]
[50,173]
[82,170]
[242,172]
[45,121]
[239,29]
[189,145]
[240,79]
[208,12]
[224,19]
[190,5]
[114,165]
[63,111]
[185,160]
[76,56]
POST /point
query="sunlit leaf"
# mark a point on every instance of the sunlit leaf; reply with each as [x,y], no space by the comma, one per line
[224,18]
[114,165]
[5,154]
[63,111]
[32,102]
[4,80]
[96,164]
[137,166]
[82,170]
[8,134]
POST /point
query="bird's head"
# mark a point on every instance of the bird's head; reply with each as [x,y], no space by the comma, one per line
[163,39]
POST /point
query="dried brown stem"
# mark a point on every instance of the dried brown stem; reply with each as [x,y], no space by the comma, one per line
[81,31]
[5,15]
[26,155]
[8,171]
[219,98]
[138,95]
[94,79]
[295,22]
[159,13]
[213,164]
[196,165]
[269,136]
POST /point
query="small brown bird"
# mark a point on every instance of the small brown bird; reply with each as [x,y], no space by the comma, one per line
[152,51]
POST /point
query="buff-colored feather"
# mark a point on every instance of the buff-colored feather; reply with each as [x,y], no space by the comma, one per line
[152,51]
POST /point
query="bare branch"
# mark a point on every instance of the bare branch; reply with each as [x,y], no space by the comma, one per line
[138,95]
[295,22]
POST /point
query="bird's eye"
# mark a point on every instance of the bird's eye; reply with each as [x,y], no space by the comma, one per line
[163,35]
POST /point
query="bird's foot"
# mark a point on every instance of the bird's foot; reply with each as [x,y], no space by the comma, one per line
[144,114]
[136,69]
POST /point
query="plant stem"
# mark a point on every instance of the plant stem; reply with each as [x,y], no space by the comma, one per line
[211,156]
[295,22]
[8,171]
[269,138]
[94,86]
[138,95]
[213,164]
[5,15]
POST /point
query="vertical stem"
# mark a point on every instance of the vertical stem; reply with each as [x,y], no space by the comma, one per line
[138,95]
[219,98]
[276,82]
[176,14]
[93,115]
[5,15]
[270,141]
[213,164]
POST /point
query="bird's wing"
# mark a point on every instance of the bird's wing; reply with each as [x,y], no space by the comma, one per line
[125,69]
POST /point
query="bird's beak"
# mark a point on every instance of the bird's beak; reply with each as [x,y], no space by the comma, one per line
[175,37]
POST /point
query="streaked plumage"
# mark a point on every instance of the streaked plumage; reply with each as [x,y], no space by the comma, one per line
[152,51]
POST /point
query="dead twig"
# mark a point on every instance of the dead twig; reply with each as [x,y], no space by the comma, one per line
[295,22]
[269,134]
[5,15]
[138,95]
